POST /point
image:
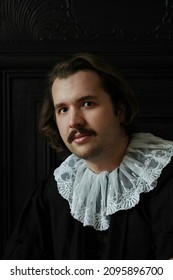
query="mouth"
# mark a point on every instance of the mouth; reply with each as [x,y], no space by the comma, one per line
[80,138]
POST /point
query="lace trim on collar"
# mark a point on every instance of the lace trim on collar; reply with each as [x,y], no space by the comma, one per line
[94,197]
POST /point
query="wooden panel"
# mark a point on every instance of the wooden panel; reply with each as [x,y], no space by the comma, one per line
[27,157]
[154,90]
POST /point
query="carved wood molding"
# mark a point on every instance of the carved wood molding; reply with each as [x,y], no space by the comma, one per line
[60,21]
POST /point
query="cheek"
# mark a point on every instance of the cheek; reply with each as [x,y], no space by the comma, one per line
[103,119]
[98,117]
[62,128]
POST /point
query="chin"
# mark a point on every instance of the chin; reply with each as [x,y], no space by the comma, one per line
[88,154]
[81,153]
[86,151]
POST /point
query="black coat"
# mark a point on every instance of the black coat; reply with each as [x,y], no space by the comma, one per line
[46,229]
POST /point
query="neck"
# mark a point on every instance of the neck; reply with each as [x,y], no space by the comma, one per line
[110,160]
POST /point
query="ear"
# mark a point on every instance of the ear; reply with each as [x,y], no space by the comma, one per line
[121,113]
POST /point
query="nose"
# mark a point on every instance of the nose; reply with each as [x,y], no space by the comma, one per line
[76,119]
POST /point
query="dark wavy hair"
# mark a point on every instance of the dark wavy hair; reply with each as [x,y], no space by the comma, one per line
[112,82]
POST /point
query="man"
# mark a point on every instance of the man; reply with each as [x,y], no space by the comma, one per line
[112,197]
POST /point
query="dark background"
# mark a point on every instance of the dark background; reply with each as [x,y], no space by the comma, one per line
[137,36]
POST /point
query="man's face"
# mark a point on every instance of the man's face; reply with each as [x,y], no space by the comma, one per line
[85,116]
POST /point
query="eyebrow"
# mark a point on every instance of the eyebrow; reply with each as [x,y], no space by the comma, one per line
[87,97]
[81,99]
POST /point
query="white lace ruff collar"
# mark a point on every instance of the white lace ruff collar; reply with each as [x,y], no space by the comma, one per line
[94,197]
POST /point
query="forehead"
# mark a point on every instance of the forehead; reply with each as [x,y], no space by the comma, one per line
[80,81]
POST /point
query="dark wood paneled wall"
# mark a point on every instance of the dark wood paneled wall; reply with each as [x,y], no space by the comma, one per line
[137,36]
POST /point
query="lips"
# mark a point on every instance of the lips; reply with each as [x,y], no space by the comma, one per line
[79,135]
[80,138]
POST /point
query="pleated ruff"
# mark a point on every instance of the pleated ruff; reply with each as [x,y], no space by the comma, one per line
[94,197]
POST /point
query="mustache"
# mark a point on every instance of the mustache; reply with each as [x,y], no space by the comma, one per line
[81,130]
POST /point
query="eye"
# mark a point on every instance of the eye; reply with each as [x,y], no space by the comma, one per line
[62,110]
[88,104]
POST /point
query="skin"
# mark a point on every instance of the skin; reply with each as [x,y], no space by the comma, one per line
[87,122]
